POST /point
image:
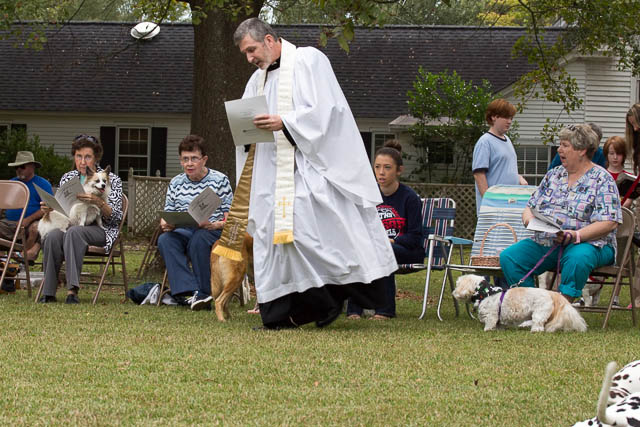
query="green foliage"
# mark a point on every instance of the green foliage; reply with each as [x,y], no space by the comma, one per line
[53,165]
[451,112]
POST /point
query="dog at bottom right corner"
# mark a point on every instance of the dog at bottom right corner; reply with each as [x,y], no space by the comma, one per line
[619,400]
[227,276]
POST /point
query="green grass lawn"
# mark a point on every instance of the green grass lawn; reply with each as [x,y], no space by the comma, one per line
[122,364]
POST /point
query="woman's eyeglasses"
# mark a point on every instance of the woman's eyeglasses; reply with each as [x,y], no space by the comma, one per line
[192,159]
[86,158]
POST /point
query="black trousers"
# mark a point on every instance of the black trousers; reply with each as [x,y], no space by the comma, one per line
[317,304]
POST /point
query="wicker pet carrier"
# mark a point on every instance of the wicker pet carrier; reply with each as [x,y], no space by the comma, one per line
[493,260]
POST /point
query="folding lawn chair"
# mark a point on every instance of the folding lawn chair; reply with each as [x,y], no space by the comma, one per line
[500,204]
[14,195]
[438,218]
[622,273]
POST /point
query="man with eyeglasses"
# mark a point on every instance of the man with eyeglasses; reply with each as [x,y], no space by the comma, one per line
[191,286]
[317,237]
[26,166]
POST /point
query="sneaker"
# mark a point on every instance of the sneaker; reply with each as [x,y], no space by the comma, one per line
[72,299]
[152,296]
[183,300]
[200,301]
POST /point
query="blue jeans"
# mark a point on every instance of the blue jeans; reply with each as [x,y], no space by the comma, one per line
[182,245]
[403,256]
[576,263]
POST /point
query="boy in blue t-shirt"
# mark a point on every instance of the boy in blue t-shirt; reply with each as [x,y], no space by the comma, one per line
[494,158]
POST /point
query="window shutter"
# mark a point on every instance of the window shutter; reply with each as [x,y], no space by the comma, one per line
[108,140]
[158,160]
[366,138]
[18,126]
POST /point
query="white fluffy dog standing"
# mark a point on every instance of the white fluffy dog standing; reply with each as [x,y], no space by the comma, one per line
[81,213]
[537,308]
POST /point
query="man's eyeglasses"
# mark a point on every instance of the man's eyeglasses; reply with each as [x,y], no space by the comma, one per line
[21,167]
[87,137]
[192,159]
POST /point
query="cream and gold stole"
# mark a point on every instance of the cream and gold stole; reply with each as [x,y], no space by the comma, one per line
[230,244]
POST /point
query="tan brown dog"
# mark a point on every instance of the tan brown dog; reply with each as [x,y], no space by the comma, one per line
[227,276]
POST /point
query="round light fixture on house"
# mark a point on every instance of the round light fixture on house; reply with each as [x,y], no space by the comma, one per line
[145,30]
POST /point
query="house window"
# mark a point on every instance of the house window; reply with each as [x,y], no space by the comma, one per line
[373,141]
[380,138]
[441,152]
[533,161]
[133,151]
[3,131]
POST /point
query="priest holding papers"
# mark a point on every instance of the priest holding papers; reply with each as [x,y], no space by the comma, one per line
[179,245]
[312,209]
[577,208]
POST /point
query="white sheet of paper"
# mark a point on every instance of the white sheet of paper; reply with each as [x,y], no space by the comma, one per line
[204,204]
[240,113]
[541,223]
[65,196]
[199,210]
[625,176]
[178,219]
[49,200]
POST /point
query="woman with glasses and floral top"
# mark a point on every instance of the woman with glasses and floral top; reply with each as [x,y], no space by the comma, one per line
[179,247]
[582,199]
[71,246]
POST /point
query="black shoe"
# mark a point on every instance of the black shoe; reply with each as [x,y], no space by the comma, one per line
[331,317]
[47,299]
[72,299]
[183,299]
[8,286]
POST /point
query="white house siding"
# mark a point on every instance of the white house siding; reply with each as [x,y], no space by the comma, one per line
[533,118]
[609,95]
[59,129]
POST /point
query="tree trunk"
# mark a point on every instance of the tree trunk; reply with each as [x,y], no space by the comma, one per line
[220,74]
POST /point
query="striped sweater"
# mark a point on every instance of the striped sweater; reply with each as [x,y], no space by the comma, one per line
[182,191]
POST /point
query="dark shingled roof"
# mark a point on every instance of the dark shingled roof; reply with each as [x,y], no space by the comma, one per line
[99,67]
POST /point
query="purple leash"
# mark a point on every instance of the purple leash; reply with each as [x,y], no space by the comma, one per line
[532,270]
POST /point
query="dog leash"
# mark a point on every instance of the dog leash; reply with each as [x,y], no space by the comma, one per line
[532,270]
[542,259]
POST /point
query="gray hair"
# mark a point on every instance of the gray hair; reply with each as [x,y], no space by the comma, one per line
[581,137]
[257,29]
[597,129]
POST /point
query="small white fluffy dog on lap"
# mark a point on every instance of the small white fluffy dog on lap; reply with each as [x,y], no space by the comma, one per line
[539,309]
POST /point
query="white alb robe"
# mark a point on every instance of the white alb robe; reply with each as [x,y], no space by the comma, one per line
[338,236]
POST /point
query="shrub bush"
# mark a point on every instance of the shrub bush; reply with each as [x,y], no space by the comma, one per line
[53,165]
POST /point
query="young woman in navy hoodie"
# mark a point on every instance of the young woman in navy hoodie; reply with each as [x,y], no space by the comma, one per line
[400,213]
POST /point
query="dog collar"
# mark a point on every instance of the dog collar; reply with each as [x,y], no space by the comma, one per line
[483,291]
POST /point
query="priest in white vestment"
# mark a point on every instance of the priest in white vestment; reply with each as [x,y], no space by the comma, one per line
[339,247]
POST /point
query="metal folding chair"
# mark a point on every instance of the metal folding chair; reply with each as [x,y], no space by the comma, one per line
[500,204]
[622,273]
[438,224]
[14,195]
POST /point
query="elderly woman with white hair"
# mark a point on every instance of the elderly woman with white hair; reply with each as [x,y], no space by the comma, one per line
[583,200]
